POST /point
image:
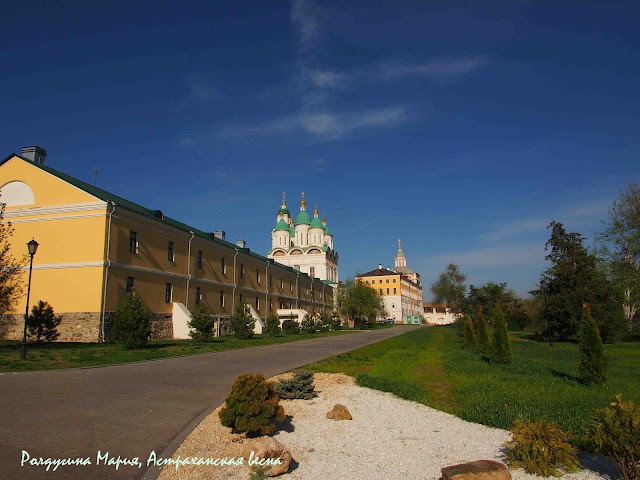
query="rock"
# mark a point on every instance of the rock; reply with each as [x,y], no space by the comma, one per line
[480,470]
[267,448]
[339,412]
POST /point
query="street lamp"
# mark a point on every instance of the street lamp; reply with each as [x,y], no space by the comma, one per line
[32,246]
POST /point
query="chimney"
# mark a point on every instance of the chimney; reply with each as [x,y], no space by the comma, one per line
[220,234]
[35,153]
[379,266]
[241,243]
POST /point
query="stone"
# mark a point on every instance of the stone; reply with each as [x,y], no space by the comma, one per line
[479,470]
[267,448]
[339,412]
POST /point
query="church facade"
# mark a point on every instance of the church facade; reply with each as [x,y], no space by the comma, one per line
[306,244]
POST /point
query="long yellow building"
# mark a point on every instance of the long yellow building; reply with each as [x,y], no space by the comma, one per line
[96,246]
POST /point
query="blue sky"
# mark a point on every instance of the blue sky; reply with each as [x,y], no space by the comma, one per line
[461,127]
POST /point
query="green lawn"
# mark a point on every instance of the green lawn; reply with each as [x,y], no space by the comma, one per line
[52,356]
[429,366]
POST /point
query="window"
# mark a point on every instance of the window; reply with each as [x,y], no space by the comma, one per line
[257,304]
[395,291]
[171,252]
[198,295]
[133,242]
[312,271]
[387,291]
[394,280]
[199,258]
[387,280]
[168,293]
[282,284]
[270,304]
[258,275]
[223,266]
[290,286]
[242,270]
[222,298]
[380,291]
[270,280]
[131,282]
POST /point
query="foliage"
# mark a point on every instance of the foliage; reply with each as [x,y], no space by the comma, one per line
[470,341]
[298,387]
[336,322]
[325,323]
[290,327]
[308,324]
[574,278]
[252,405]
[43,323]
[10,268]
[592,362]
[132,322]
[615,431]
[272,325]
[501,345]
[259,472]
[360,303]
[242,323]
[450,288]
[459,323]
[482,333]
[620,242]
[541,448]
[202,322]
[487,296]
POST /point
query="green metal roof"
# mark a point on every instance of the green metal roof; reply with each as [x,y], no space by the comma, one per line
[327,231]
[316,223]
[283,211]
[303,218]
[282,225]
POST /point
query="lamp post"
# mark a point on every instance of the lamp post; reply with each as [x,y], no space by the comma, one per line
[32,246]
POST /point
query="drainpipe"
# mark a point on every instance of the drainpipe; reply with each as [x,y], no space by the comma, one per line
[106,272]
[324,300]
[297,292]
[233,296]
[186,299]
[266,302]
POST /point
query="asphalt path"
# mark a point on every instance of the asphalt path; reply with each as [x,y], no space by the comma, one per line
[130,410]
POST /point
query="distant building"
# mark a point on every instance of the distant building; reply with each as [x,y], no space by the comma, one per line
[438,314]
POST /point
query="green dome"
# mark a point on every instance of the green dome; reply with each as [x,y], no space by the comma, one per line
[327,231]
[283,211]
[292,232]
[303,219]
[282,225]
[316,223]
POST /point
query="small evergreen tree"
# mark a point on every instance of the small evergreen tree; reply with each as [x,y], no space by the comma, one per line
[202,322]
[242,323]
[132,322]
[501,346]
[298,387]
[592,362]
[469,335]
[290,327]
[273,325]
[482,333]
[308,324]
[43,323]
[324,325]
[336,322]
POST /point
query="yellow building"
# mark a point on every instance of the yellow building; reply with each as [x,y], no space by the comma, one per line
[96,246]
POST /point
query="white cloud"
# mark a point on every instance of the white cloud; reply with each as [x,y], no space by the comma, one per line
[304,15]
[437,68]
[503,256]
[326,78]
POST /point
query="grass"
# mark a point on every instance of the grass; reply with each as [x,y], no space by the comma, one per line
[429,366]
[53,356]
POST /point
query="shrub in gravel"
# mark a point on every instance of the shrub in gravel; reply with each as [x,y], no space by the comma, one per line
[290,327]
[252,405]
[298,387]
[541,448]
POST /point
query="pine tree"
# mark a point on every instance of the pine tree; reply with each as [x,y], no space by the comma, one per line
[469,335]
[298,387]
[501,346]
[242,323]
[202,322]
[132,322]
[43,323]
[482,333]
[273,325]
[592,362]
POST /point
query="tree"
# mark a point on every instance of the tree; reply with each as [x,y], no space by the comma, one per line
[308,324]
[482,335]
[202,322]
[132,322]
[242,323]
[450,288]
[620,248]
[501,346]
[592,362]
[43,323]
[360,303]
[469,335]
[10,268]
[273,325]
[487,296]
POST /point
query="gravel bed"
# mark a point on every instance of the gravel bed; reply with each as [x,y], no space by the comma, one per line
[388,438]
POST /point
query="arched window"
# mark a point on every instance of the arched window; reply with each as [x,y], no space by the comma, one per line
[16,194]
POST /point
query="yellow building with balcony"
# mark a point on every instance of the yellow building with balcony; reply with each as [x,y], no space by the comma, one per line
[95,247]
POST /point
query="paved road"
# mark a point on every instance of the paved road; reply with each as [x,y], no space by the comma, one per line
[130,410]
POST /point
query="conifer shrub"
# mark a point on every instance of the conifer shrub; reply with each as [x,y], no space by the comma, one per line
[541,448]
[43,323]
[300,386]
[501,345]
[308,324]
[242,323]
[469,335]
[592,362]
[273,325]
[252,406]
[482,333]
[201,323]
[459,324]
[290,327]
[325,323]
[336,322]
[615,432]
[132,322]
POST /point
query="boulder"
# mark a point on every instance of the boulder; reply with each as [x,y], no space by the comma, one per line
[339,412]
[480,470]
[258,452]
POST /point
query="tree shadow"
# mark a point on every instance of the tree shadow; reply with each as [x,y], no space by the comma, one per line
[286,425]
[564,375]
[598,464]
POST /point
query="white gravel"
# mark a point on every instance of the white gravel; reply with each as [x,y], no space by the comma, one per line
[388,438]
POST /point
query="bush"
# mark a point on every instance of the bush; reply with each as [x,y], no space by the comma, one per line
[242,323]
[308,324]
[273,325]
[541,448]
[298,387]
[501,346]
[202,322]
[469,335]
[325,323]
[336,322]
[459,323]
[290,327]
[132,322]
[482,333]
[592,363]
[615,431]
[252,405]
[43,323]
